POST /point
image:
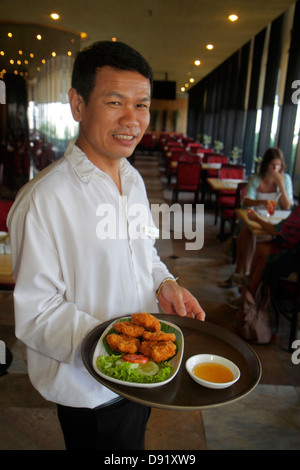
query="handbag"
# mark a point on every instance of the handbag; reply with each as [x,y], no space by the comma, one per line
[258,317]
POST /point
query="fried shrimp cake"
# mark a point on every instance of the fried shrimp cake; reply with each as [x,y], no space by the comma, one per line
[123,343]
[148,321]
[128,329]
[158,351]
[158,336]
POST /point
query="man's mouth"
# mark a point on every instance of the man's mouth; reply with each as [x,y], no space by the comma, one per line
[124,137]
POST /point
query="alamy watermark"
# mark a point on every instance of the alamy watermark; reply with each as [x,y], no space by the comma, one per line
[296,354]
[2,352]
[137,222]
[296,93]
[2,92]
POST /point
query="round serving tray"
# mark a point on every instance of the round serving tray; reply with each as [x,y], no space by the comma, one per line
[182,393]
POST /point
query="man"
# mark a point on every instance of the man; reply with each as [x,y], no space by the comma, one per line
[69,277]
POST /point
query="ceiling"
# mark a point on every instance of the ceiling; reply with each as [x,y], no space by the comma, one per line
[171,34]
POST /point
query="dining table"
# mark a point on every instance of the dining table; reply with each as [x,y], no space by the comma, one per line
[218,184]
[7,280]
[182,393]
[254,227]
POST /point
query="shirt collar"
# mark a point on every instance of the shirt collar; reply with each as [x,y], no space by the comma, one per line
[85,169]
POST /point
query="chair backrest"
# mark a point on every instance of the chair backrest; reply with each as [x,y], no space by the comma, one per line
[228,171]
[175,153]
[194,147]
[217,159]
[188,173]
[189,157]
[240,194]
[5,206]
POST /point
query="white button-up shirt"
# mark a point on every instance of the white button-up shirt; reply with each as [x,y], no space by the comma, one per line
[80,258]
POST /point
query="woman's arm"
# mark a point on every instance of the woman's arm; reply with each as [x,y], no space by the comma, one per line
[267,226]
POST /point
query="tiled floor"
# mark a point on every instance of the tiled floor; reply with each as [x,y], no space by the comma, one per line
[267,418]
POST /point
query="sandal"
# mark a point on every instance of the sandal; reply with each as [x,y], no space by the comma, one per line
[226,284]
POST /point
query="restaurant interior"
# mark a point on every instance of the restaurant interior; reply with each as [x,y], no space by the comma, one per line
[225,90]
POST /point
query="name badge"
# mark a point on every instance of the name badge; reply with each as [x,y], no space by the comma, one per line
[152,232]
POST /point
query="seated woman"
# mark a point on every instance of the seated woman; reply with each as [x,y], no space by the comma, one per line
[258,313]
[278,258]
[270,184]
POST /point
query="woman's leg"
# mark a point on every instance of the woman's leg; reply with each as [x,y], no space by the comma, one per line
[258,265]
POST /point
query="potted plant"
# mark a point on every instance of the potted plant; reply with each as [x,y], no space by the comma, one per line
[235,154]
[218,146]
[206,140]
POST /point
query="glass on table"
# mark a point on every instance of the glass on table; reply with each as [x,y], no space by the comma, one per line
[271,206]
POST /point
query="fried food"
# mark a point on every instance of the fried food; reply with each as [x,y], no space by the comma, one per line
[128,329]
[148,321]
[158,336]
[158,351]
[123,343]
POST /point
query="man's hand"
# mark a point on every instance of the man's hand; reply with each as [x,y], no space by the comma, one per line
[175,300]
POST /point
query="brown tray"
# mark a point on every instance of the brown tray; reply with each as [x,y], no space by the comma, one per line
[182,393]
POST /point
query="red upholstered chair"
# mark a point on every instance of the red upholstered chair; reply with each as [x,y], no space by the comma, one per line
[5,206]
[228,213]
[226,198]
[187,179]
[194,147]
[173,157]
[214,172]
[189,157]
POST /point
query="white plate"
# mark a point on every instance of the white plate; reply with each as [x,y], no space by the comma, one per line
[175,361]
[274,219]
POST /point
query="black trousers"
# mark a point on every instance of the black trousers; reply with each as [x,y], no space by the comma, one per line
[119,426]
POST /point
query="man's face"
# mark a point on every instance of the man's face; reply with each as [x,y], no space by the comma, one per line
[117,114]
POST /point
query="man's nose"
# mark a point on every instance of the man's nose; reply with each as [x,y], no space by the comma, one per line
[129,117]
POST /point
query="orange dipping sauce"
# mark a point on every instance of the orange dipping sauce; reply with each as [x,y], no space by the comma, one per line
[212,372]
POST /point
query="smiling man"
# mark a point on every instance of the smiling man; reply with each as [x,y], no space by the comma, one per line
[68,280]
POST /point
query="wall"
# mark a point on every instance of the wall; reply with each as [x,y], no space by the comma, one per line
[180,105]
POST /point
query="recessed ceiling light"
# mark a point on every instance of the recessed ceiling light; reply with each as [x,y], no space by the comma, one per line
[192,80]
[9,35]
[233,17]
[83,35]
[114,39]
[197,62]
[53,54]
[39,37]
[182,89]
[209,46]
[54,16]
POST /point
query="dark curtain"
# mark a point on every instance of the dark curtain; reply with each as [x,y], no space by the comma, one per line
[16,107]
[289,109]
[252,101]
[270,88]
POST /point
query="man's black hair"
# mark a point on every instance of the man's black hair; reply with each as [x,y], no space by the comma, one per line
[106,53]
